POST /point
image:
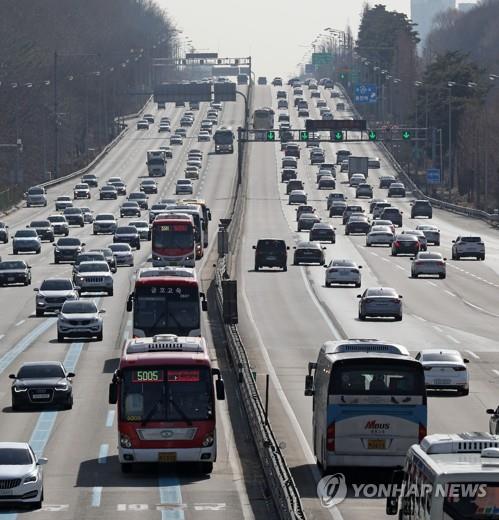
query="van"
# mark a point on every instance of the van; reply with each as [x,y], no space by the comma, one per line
[271,253]
[36,196]
[294,184]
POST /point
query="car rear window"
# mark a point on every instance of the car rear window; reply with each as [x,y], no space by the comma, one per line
[471,239]
[268,245]
[382,292]
[68,242]
[12,265]
[444,356]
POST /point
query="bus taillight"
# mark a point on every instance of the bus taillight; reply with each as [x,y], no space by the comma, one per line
[331,433]
[422,432]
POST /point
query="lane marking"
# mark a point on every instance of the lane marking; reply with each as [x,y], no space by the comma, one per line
[472,354]
[2,336]
[110,418]
[103,452]
[432,283]
[452,338]
[171,495]
[419,318]
[399,267]
[19,323]
[450,293]
[481,309]
[496,372]
[96,496]
[437,328]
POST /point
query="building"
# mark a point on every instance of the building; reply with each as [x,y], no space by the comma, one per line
[423,12]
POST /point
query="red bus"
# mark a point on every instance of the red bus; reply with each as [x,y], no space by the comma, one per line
[166,300]
[173,241]
[165,400]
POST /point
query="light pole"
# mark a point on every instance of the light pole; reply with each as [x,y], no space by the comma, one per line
[450,84]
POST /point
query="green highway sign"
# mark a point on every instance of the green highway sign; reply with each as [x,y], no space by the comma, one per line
[321,58]
[270,136]
[303,135]
[406,135]
[372,135]
[338,136]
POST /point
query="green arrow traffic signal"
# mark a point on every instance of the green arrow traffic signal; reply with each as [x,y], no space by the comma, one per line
[303,135]
[338,136]
[270,135]
[372,135]
[406,135]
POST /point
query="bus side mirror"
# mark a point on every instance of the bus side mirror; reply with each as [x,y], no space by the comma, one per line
[220,389]
[309,385]
[129,303]
[113,393]
[392,506]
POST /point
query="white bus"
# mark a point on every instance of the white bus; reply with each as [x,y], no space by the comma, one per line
[263,119]
[369,403]
[448,476]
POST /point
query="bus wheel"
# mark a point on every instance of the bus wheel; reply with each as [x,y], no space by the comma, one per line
[206,467]
[126,468]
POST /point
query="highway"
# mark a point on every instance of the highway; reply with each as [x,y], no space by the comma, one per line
[286,316]
[83,478]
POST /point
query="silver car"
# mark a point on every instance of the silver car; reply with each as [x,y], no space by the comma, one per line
[429,264]
[52,294]
[343,272]
[62,202]
[26,240]
[79,319]
[95,277]
[432,233]
[183,187]
[21,474]
[297,197]
[36,196]
[123,254]
[445,369]
[380,302]
[143,228]
[379,235]
[105,223]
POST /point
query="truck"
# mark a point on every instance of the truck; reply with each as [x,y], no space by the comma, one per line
[358,165]
[156,163]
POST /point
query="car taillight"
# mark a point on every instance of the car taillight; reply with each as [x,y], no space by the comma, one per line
[333,270]
[427,368]
[396,243]
[440,263]
[459,369]
[368,300]
[354,271]
[422,432]
[330,440]
[394,300]
[418,262]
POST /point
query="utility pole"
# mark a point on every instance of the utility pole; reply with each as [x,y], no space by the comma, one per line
[56,122]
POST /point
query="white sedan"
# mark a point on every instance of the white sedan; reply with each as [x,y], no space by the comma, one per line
[432,233]
[445,369]
[379,235]
[184,187]
[429,264]
[343,272]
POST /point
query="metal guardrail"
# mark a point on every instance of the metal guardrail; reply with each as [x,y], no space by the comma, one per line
[279,479]
[490,218]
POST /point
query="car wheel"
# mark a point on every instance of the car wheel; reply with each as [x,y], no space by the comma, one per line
[357,285]
[14,251]
[328,284]
[437,243]
[69,403]
[457,257]
[464,392]
[482,257]
[40,313]
[206,467]
[257,267]
[285,268]
[394,253]
[368,244]
[110,292]
[441,276]
[60,337]
[99,336]
[414,275]
[362,317]
[126,468]
[398,317]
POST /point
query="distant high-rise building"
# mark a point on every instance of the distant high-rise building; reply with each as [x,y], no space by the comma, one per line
[423,12]
[466,6]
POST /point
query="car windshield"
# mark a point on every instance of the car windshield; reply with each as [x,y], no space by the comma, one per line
[137,196]
[56,285]
[270,245]
[40,371]
[126,230]
[72,211]
[40,223]
[68,242]
[57,218]
[26,233]
[63,199]
[87,257]
[104,217]
[93,267]
[81,186]
[36,191]
[120,247]
[441,356]
[12,265]
[15,457]
[390,293]
[130,205]
[108,188]
[79,307]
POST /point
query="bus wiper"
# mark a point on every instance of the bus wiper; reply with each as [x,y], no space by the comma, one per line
[150,413]
[180,411]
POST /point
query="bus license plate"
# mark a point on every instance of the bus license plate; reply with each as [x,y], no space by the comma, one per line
[167,457]
[375,444]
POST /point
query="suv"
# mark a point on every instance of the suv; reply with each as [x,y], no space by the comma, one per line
[271,253]
[74,217]
[67,249]
[59,224]
[421,208]
[468,246]
[95,277]
[53,292]
[26,240]
[104,223]
[43,228]
[36,196]
[393,214]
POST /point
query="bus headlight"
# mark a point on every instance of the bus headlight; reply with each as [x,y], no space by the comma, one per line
[125,441]
[208,440]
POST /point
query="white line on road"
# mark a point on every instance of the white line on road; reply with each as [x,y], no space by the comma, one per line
[110,418]
[2,336]
[432,283]
[496,372]
[437,328]
[419,318]
[472,354]
[452,338]
[96,496]
[20,323]
[450,293]
[103,451]
[399,267]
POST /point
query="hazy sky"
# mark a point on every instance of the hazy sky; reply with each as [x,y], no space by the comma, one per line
[276,33]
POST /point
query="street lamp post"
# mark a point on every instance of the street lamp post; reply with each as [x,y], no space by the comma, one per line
[450,84]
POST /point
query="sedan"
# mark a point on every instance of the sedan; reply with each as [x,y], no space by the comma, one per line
[67,249]
[108,256]
[122,253]
[42,383]
[308,253]
[53,292]
[88,216]
[108,192]
[104,223]
[176,139]
[74,217]
[184,187]
[337,208]
[445,369]
[130,209]
[140,198]
[143,229]
[380,302]
[307,220]
[428,263]
[432,233]
[297,197]
[326,182]
[385,181]
[14,272]
[62,202]
[357,224]
[379,235]
[149,186]
[142,124]
[405,245]
[356,179]
[322,232]
[191,172]
[423,244]
[343,272]
[26,240]
[43,228]
[381,222]
[81,191]
[90,179]
[4,232]
[127,235]
[79,319]
[396,189]
[22,469]
[364,190]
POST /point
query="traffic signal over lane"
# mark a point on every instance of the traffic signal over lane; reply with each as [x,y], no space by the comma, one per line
[338,136]
[372,135]
[270,136]
[406,135]
[304,135]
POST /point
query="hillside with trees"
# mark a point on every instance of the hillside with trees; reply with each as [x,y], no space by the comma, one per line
[72,64]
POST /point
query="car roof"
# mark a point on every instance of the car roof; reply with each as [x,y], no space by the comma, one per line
[14,445]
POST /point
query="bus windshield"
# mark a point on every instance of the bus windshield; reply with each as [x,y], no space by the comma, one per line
[386,378]
[180,393]
[171,236]
[160,310]
[224,137]
[480,506]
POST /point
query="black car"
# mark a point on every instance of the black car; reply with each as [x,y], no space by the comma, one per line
[308,253]
[108,255]
[4,232]
[108,193]
[386,180]
[357,224]
[341,155]
[86,256]
[288,174]
[42,383]
[396,189]
[292,150]
[294,184]
[337,208]
[14,271]
[271,253]
[364,190]
[393,214]
[74,217]
[421,208]
[130,209]
[127,235]
[405,245]
[350,210]
[43,229]
[67,249]
[322,232]
[304,208]
[140,198]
